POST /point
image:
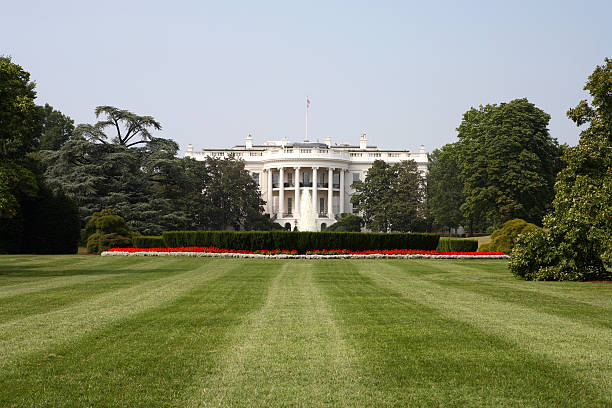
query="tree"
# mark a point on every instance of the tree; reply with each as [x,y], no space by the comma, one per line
[19,129]
[348,223]
[508,162]
[221,194]
[57,128]
[130,129]
[391,197]
[445,187]
[577,242]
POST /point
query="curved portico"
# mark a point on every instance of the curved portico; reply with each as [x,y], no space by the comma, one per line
[284,170]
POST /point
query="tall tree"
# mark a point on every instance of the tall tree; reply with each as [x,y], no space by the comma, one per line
[129,129]
[445,187]
[391,197]
[222,194]
[508,162]
[19,130]
[577,242]
[57,128]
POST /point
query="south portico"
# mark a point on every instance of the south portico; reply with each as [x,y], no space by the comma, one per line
[285,183]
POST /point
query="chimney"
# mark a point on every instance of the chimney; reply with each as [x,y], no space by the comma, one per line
[422,149]
[328,141]
[284,141]
[248,142]
[363,142]
[189,149]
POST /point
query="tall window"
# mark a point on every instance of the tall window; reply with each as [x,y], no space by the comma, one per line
[274,180]
[321,205]
[356,177]
[255,178]
[289,205]
[289,180]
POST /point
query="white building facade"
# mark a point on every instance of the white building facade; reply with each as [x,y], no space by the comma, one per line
[285,170]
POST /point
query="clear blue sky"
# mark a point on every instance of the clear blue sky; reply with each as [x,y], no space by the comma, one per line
[404,72]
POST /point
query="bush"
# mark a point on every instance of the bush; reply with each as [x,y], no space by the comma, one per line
[300,241]
[503,239]
[109,231]
[457,245]
[11,234]
[348,223]
[51,224]
[143,241]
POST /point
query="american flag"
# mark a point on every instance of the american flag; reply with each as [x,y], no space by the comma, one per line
[307,103]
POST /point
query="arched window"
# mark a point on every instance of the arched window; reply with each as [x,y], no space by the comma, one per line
[288,226]
[323,226]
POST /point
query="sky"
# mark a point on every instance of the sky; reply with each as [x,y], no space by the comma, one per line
[402,72]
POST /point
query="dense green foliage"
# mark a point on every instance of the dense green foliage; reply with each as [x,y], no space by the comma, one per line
[578,242]
[445,188]
[32,218]
[57,128]
[392,197]
[503,239]
[508,162]
[152,241]
[87,331]
[300,241]
[348,223]
[457,245]
[107,230]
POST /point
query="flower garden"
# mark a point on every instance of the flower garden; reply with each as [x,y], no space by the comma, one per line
[212,251]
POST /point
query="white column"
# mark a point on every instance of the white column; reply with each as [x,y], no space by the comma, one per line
[330,192]
[270,197]
[296,206]
[341,191]
[314,191]
[281,193]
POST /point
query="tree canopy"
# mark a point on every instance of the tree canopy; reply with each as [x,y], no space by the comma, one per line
[577,242]
[392,196]
[508,162]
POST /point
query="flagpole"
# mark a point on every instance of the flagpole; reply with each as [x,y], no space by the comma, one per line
[307,107]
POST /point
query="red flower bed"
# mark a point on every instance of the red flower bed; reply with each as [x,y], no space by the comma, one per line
[294,252]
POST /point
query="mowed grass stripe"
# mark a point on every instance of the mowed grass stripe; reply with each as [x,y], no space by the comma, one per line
[47,300]
[413,355]
[146,359]
[20,337]
[582,350]
[289,353]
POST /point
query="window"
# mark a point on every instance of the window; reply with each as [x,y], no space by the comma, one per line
[274,180]
[336,180]
[255,178]
[355,210]
[356,177]
[321,205]
[289,205]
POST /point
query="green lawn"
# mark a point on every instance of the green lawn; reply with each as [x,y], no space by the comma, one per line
[109,331]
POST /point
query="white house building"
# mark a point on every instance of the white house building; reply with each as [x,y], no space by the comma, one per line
[284,170]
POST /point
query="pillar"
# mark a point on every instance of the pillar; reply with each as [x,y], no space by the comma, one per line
[330,193]
[341,191]
[270,189]
[296,205]
[314,191]
[281,193]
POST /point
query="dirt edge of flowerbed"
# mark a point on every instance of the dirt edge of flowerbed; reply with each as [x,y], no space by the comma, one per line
[286,256]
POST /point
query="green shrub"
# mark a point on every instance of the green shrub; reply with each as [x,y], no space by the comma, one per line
[457,245]
[348,223]
[300,241]
[503,239]
[106,230]
[51,224]
[143,241]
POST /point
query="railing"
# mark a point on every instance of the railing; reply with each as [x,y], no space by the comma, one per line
[306,184]
[289,184]
[287,214]
[324,185]
[323,214]
[274,185]
[336,185]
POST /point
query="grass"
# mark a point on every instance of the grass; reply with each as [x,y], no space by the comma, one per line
[198,332]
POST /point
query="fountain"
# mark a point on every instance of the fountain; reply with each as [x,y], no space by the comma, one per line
[306,220]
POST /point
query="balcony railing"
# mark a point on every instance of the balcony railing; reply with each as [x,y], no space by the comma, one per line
[288,184]
[336,185]
[287,214]
[306,184]
[274,185]
[324,185]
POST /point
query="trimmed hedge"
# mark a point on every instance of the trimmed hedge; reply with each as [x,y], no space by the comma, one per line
[457,245]
[300,241]
[151,241]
